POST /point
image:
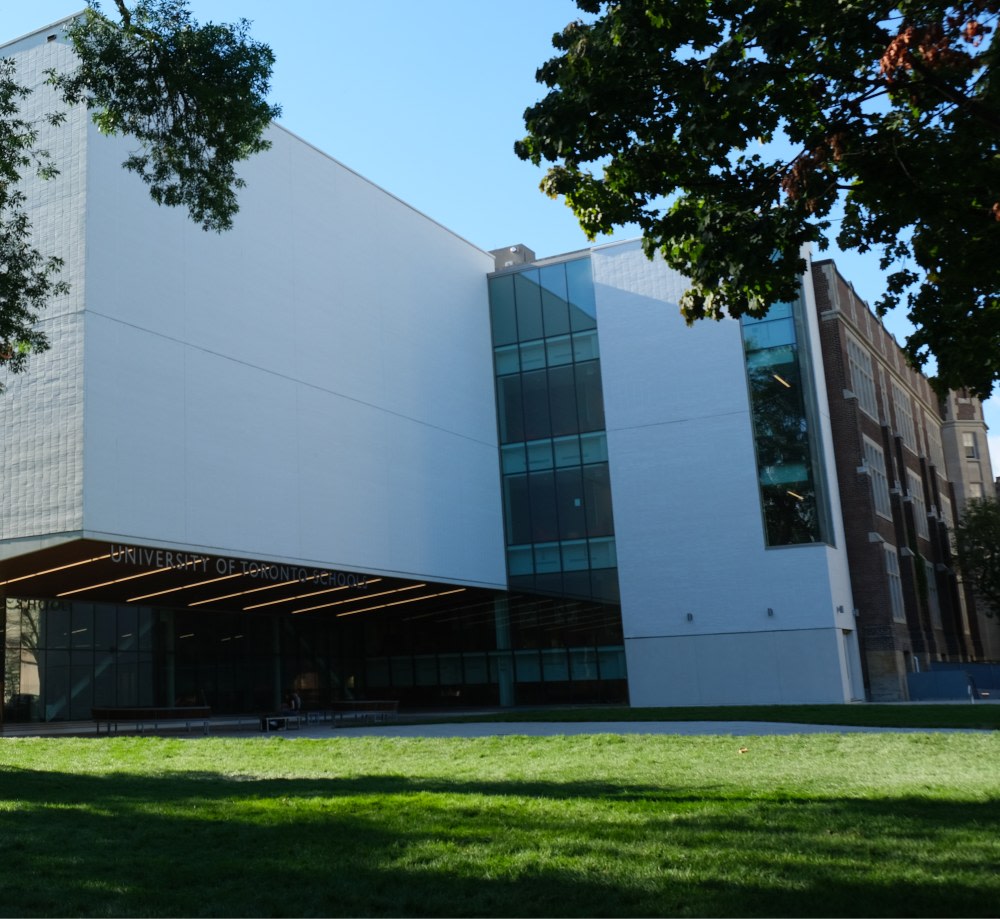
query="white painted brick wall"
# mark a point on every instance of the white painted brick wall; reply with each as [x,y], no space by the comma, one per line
[41,414]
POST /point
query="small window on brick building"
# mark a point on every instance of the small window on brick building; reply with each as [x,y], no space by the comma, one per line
[904,416]
[916,491]
[933,601]
[895,583]
[859,362]
[875,463]
[946,512]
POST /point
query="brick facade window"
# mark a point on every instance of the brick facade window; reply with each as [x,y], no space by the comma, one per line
[916,490]
[934,446]
[946,512]
[895,583]
[933,601]
[875,464]
[862,378]
[904,416]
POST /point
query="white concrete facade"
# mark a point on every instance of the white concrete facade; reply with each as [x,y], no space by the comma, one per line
[697,581]
[314,386]
[41,415]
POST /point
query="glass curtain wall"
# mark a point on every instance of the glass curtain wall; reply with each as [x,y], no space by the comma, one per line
[62,658]
[550,404]
[552,649]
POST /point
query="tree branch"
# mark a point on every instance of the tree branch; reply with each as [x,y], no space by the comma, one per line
[124,13]
[975,108]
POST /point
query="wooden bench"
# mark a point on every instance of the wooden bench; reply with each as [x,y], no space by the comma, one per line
[282,721]
[365,711]
[144,717]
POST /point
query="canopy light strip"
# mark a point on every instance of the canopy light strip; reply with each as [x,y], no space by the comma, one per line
[130,577]
[383,593]
[443,593]
[37,574]
[311,593]
[241,593]
[254,590]
[173,590]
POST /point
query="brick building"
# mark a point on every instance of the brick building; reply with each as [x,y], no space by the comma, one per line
[907,461]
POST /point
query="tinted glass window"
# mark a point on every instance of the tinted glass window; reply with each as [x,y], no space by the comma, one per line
[518,509]
[562,399]
[555,309]
[509,409]
[597,500]
[502,310]
[590,399]
[536,405]
[528,297]
[782,435]
[580,287]
[570,500]
[544,519]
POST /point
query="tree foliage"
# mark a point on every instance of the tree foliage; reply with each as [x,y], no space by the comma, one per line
[732,132]
[193,97]
[27,278]
[978,542]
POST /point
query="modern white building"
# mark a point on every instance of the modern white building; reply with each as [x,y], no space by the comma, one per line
[720,605]
[342,450]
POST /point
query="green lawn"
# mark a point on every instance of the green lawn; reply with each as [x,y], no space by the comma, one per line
[604,825]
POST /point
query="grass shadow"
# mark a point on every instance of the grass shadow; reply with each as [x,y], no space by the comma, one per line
[201,844]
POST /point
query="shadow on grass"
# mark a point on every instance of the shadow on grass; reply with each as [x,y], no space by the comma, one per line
[201,844]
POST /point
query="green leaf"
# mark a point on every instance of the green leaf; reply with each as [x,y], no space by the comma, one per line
[653,105]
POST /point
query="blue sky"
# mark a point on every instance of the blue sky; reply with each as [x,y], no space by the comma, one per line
[425,99]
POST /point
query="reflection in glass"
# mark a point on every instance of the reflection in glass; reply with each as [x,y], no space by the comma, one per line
[528,304]
[555,309]
[533,355]
[502,313]
[539,455]
[782,435]
[580,287]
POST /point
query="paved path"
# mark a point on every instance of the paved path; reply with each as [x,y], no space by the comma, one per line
[499,729]
[550,728]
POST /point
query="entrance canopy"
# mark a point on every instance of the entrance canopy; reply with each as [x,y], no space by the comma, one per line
[118,573]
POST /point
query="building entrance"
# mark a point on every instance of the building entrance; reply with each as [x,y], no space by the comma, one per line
[178,632]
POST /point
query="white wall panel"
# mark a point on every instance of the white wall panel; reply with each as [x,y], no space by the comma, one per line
[333,355]
[762,668]
[41,413]
[135,475]
[687,509]
[240,456]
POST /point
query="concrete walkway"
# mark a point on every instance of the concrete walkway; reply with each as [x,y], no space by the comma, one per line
[552,728]
[247,727]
